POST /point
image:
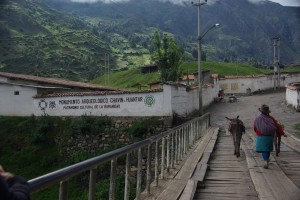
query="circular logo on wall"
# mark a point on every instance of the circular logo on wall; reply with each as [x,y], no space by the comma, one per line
[149,100]
[43,104]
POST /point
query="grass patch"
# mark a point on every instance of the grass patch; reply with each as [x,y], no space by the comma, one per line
[222,68]
[127,79]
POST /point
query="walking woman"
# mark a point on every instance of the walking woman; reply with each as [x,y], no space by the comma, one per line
[266,128]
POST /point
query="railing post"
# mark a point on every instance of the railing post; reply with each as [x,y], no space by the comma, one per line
[63,190]
[127,183]
[195,131]
[156,163]
[168,153]
[172,149]
[176,147]
[198,128]
[185,140]
[112,186]
[92,184]
[190,130]
[181,143]
[139,175]
[148,168]
[201,125]
[162,157]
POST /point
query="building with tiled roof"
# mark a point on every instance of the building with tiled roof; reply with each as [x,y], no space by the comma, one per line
[24,79]
[17,91]
[25,95]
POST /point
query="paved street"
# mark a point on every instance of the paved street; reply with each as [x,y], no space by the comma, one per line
[247,108]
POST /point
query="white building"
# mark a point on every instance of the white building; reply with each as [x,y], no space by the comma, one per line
[293,95]
[17,91]
[24,95]
[240,84]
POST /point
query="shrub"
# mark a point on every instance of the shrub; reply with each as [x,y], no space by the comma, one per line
[142,127]
[43,125]
[87,124]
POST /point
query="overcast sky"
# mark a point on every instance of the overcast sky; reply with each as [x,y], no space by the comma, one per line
[288,2]
[282,2]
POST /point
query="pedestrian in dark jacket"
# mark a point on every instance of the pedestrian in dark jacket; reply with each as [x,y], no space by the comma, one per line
[266,128]
[13,187]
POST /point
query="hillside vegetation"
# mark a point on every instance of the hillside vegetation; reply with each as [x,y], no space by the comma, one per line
[129,79]
[41,41]
[32,146]
[65,39]
[245,33]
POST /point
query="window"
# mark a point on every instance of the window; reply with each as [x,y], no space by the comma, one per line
[17,92]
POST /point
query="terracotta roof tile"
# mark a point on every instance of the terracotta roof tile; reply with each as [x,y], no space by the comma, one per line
[69,94]
[293,86]
[215,75]
[248,76]
[189,76]
[56,81]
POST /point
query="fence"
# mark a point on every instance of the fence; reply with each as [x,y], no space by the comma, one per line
[161,152]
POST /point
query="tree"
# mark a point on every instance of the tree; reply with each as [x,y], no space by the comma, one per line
[168,56]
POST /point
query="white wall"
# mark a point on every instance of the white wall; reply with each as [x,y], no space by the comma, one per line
[209,94]
[293,98]
[241,84]
[185,102]
[16,105]
[173,99]
[132,104]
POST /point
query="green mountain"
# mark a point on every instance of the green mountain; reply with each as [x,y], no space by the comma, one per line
[245,35]
[65,39]
[35,39]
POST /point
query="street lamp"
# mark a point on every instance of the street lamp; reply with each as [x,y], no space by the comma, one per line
[213,26]
[200,37]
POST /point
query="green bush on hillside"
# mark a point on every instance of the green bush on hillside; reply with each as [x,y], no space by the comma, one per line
[142,127]
[87,124]
[29,148]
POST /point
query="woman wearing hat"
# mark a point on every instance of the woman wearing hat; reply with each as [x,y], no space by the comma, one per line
[266,128]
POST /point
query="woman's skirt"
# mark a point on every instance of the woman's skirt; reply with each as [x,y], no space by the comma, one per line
[264,143]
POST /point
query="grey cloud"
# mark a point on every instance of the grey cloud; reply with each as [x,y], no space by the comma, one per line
[94,1]
[181,2]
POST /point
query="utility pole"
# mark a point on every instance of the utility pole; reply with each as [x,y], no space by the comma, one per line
[105,69]
[199,4]
[276,61]
[108,72]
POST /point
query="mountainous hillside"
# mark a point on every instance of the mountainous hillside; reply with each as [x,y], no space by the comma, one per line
[245,35]
[35,39]
[65,39]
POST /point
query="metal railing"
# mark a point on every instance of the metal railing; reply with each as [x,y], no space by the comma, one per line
[169,148]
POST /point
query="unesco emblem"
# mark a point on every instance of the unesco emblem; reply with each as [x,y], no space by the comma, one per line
[149,100]
[43,104]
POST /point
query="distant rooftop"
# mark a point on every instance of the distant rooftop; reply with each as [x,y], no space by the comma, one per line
[94,93]
[56,81]
[293,86]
